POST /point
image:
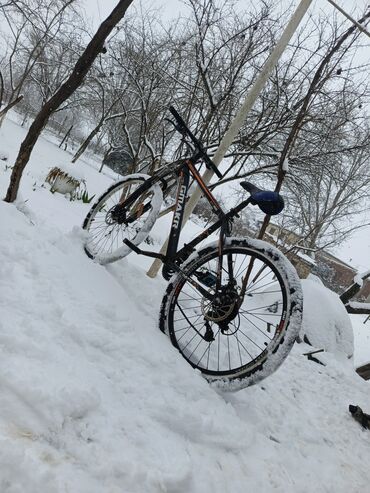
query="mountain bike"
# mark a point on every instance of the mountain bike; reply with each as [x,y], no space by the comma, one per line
[233,309]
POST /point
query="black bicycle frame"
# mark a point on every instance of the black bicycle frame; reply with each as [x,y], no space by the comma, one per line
[179,208]
[172,259]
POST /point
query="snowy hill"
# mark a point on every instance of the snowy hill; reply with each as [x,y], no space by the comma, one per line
[94,399]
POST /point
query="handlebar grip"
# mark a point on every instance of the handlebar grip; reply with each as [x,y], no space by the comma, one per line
[249,187]
[177,116]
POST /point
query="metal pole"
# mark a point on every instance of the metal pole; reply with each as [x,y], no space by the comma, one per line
[361,27]
[243,112]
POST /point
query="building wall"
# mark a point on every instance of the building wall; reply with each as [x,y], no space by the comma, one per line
[335,274]
[303,268]
[339,276]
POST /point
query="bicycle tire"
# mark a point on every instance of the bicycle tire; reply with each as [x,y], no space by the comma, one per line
[105,235]
[285,322]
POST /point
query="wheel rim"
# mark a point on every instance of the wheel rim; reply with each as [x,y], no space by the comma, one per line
[106,230]
[227,342]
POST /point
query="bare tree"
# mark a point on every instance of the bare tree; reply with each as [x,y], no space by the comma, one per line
[95,46]
[30,26]
[202,65]
[101,93]
[328,187]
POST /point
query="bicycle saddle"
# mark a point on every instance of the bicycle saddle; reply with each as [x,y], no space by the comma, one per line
[270,203]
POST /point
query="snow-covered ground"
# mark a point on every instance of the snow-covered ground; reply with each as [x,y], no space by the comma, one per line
[94,398]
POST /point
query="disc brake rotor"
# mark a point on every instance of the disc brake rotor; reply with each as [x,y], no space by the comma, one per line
[222,307]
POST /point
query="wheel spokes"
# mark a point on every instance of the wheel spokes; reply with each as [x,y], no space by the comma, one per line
[240,336]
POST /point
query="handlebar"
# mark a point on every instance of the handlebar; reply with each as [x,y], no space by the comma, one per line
[184,130]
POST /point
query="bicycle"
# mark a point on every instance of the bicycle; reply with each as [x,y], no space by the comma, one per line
[233,309]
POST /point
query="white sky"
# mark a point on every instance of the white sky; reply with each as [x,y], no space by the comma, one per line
[99,9]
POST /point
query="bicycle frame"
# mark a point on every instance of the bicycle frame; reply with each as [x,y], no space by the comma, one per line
[173,258]
[184,172]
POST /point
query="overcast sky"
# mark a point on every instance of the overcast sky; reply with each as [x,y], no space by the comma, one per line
[99,9]
[168,9]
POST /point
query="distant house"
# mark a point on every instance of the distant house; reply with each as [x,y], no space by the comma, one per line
[334,273]
[303,260]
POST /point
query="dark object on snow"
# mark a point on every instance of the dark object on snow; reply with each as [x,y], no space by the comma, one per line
[364,371]
[312,358]
[360,416]
[119,161]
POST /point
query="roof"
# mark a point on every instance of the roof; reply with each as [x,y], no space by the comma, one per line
[324,253]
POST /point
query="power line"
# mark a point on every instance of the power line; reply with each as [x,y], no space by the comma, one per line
[361,28]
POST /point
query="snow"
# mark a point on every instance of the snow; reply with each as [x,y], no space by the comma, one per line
[95,399]
[362,339]
[358,304]
[4,156]
[326,323]
[306,257]
[359,278]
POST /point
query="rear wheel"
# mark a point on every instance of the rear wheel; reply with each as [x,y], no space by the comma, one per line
[127,210]
[233,340]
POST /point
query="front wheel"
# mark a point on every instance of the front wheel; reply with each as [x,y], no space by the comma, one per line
[127,210]
[234,340]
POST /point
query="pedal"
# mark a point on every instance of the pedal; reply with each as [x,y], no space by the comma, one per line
[143,252]
[132,246]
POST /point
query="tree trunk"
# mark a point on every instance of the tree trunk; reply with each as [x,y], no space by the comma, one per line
[76,78]
[25,118]
[87,141]
[8,107]
[105,156]
[65,138]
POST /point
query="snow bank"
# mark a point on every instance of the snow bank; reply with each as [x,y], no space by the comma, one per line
[94,399]
[326,323]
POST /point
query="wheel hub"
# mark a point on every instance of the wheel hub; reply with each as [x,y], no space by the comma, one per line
[223,308]
[116,215]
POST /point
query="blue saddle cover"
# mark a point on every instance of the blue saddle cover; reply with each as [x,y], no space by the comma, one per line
[270,203]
